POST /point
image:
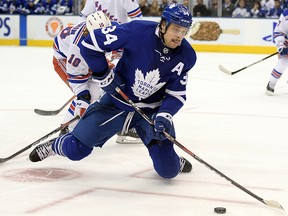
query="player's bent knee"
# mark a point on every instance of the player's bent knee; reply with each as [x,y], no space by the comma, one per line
[74,149]
[167,174]
[165,160]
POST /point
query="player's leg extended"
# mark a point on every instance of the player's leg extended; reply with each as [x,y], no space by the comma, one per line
[276,73]
[98,124]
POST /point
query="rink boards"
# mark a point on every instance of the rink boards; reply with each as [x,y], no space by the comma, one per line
[236,35]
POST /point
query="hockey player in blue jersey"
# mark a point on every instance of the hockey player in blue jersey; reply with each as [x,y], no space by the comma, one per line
[153,72]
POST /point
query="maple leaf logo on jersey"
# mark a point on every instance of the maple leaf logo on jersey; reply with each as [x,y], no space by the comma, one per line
[148,85]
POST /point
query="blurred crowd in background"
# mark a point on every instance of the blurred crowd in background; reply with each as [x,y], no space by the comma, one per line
[199,8]
[48,7]
[221,8]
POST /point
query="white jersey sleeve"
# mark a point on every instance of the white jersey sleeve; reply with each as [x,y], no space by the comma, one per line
[62,43]
[117,10]
[88,9]
[280,34]
[66,47]
[77,70]
[132,8]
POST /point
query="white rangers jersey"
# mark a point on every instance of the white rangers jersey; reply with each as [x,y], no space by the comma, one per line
[66,47]
[117,10]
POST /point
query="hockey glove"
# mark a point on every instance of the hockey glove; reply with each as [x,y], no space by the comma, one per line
[109,82]
[81,103]
[163,122]
[282,49]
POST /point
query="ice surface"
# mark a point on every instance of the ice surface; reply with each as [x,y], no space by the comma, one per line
[227,121]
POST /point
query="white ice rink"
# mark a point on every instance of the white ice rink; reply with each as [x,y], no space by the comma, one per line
[227,121]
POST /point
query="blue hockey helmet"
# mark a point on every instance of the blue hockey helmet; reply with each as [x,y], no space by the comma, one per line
[177,14]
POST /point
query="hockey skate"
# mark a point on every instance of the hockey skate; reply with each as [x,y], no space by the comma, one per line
[269,90]
[185,165]
[131,137]
[42,151]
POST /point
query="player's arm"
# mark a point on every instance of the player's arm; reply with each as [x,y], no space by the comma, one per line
[132,8]
[78,77]
[78,73]
[280,34]
[100,41]
[93,49]
[280,29]
[173,101]
[88,9]
[59,57]
[175,96]
[176,86]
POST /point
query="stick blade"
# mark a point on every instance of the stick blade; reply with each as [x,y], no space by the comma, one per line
[224,70]
[46,112]
[273,204]
[3,160]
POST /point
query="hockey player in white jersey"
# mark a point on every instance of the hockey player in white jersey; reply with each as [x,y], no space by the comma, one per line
[72,68]
[120,11]
[280,36]
[153,72]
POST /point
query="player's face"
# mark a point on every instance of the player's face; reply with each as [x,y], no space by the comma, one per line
[174,35]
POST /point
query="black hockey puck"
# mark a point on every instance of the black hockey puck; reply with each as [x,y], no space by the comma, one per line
[220,210]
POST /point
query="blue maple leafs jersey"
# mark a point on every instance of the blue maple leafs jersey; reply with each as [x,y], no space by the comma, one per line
[154,75]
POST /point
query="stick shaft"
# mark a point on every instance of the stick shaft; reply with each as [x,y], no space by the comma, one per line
[2,160]
[213,168]
[172,139]
[234,72]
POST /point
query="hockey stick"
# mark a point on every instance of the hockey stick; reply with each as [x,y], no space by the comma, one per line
[2,160]
[225,70]
[270,203]
[53,112]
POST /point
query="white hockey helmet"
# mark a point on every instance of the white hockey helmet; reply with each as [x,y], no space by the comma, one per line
[97,20]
